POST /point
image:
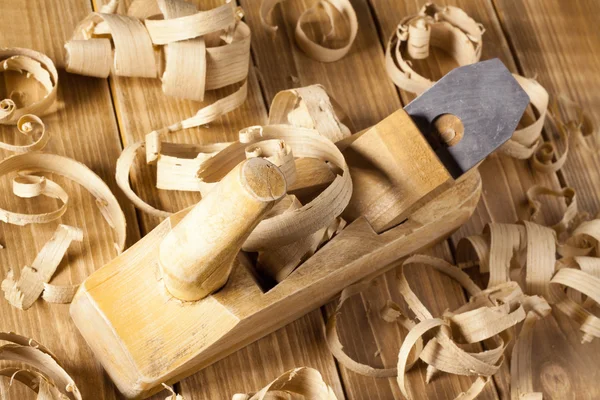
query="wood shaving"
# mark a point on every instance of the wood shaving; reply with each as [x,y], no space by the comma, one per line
[525,141]
[26,125]
[173,396]
[30,285]
[42,69]
[309,107]
[567,122]
[452,30]
[446,27]
[29,185]
[191,51]
[60,294]
[337,11]
[336,347]
[178,169]
[570,214]
[571,124]
[303,381]
[47,378]
[203,166]
[570,284]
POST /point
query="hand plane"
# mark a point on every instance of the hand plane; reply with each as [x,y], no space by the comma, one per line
[185,295]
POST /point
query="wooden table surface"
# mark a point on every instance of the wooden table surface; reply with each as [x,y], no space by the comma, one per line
[555,40]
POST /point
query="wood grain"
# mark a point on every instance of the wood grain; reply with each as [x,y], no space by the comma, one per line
[558,41]
[554,39]
[505,180]
[359,83]
[388,183]
[141,107]
[155,339]
[85,129]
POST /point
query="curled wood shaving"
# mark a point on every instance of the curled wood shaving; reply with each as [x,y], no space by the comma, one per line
[183,21]
[47,378]
[414,335]
[570,215]
[192,51]
[308,107]
[199,167]
[42,69]
[304,381]
[173,396]
[26,125]
[28,185]
[569,284]
[24,292]
[280,261]
[572,124]
[520,362]
[337,11]
[178,170]
[446,27]
[390,313]
[566,118]
[525,141]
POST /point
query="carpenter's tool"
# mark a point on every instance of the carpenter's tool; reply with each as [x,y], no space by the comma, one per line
[410,184]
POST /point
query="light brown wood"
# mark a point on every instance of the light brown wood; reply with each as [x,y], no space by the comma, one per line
[141,106]
[394,171]
[312,176]
[505,181]
[197,256]
[84,128]
[155,339]
[543,35]
[561,49]
[358,82]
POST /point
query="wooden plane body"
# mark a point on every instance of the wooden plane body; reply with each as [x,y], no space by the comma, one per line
[143,336]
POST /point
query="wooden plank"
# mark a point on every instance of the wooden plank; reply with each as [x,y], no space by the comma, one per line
[300,343]
[141,107]
[85,129]
[558,42]
[359,83]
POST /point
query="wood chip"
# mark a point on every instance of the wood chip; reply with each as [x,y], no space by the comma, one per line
[337,349]
[31,186]
[446,27]
[39,67]
[526,141]
[24,292]
[190,50]
[336,10]
[27,125]
[47,377]
[570,284]
[303,381]
[308,107]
